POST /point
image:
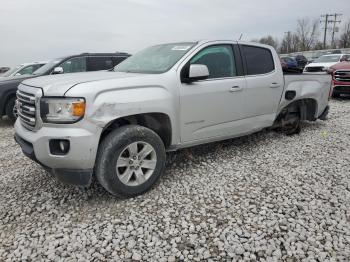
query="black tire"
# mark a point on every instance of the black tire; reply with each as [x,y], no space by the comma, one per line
[9,109]
[295,127]
[335,95]
[113,145]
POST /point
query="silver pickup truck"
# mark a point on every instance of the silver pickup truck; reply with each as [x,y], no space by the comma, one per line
[118,125]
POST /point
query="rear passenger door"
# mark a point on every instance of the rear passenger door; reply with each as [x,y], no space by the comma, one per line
[97,63]
[265,83]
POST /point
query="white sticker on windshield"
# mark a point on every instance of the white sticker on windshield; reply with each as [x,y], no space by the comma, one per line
[181,47]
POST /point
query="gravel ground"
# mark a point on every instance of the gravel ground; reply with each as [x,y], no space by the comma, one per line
[261,197]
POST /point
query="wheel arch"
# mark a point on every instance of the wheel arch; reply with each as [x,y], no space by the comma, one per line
[160,123]
[307,107]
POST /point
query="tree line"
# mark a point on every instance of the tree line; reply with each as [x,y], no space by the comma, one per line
[306,37]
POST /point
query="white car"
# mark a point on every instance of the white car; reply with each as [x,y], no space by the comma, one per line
[23,69]
[323,63]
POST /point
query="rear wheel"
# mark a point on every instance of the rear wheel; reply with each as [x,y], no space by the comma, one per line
[9,110]
[130,160]
[291,124]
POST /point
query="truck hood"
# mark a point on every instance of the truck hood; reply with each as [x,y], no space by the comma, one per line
[341,66]
[327,65]
[58,85]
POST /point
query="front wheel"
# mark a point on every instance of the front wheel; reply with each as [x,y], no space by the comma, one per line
[10,109]
[130,161]
[335,95]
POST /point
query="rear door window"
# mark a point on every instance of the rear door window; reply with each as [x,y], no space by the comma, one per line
[74,65]
[259,60]
[96,63]
[118,59]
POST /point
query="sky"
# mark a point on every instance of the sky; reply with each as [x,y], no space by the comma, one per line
[35,30]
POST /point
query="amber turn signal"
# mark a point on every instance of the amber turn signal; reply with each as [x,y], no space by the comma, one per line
[79,109]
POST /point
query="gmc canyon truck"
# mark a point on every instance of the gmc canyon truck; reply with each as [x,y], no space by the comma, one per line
[118,125]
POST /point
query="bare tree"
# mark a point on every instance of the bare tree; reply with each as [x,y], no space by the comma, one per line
[290,43]
[269,40]
[344,40]
[307,32]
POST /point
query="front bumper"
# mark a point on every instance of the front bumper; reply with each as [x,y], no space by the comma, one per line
[78,177]
[341,89]
[75,167]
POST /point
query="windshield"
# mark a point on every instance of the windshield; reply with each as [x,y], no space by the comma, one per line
[327,58]
[11,71]
[47,66]
[155,59]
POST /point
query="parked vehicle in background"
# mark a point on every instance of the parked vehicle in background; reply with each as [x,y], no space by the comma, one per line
[24,69]
[120,123]
[340,78]
[323,63]
[284,65]
[3,70]
[301,61]
[292,64]
[70,64]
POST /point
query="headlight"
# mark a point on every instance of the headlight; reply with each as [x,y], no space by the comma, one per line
[62,110]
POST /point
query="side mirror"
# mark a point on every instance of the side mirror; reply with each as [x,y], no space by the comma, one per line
[197,72]
[57,70]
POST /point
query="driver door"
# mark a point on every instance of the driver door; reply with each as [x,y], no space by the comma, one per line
[211,108]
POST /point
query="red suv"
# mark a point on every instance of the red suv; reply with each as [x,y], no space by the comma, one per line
[340,78]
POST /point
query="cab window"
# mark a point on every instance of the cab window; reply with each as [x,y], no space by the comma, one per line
[259,60]
[219,59]
[96,63]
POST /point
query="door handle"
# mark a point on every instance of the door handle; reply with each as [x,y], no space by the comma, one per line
[235,89]
[275,85]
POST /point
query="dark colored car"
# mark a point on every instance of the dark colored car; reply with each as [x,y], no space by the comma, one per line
[301,61]
[292,65]
[4,69]
[284,65]
[340,78]
[70,64]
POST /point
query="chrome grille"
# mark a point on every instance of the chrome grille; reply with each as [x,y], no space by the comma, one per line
[26,109]
[342,76]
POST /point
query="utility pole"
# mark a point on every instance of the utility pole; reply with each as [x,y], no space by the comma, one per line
[325,29]
[288,40]
[335,21]
[327,21]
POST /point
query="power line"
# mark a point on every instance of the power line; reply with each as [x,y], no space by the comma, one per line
[327,21]
[335,21]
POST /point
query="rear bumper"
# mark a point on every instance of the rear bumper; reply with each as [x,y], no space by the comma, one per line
[78,177]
